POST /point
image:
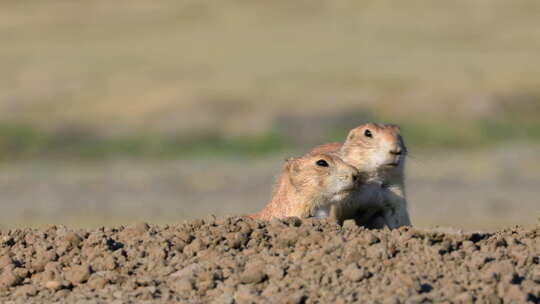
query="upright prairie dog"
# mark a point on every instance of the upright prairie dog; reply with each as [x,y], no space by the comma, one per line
[379,151]
[309,185]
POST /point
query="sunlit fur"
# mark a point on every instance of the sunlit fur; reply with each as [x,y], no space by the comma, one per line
[382,157]
[304,187]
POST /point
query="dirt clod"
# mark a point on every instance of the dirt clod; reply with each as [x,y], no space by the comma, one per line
[9,278]
[238,260]
[253,274]
[354,273]
[77,274]
[54,285]
[5,261]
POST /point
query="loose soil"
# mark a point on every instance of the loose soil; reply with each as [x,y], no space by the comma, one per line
[239,260]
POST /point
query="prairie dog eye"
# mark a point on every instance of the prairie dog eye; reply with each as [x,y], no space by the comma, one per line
[367,133]
[322,163]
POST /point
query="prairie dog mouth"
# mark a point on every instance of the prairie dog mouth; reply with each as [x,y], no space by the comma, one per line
[343,193]
[395,163]
[347,189]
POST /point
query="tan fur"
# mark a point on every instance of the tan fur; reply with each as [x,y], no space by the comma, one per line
[381,201]
[304,187]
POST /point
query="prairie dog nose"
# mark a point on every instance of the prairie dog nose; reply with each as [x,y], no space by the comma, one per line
[397,150]
[347,173]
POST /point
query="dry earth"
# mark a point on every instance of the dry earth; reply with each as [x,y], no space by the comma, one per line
[238,260]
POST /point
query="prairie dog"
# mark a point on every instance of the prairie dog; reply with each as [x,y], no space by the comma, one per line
[309,186]
[379,151]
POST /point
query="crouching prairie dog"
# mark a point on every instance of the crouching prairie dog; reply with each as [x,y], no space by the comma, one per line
[379,151]
[309,186]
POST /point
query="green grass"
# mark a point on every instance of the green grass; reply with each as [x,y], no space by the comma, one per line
[469,135]
[20,142]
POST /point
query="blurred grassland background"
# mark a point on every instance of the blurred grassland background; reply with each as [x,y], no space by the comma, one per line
[119,111]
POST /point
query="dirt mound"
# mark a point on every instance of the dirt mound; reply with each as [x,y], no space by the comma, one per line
[238,260]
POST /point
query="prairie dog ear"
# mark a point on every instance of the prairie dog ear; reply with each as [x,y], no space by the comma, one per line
[291,165]
[396,128]
[351,135]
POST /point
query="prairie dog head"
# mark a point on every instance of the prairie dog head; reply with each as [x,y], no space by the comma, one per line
[321,178]
[375,147]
